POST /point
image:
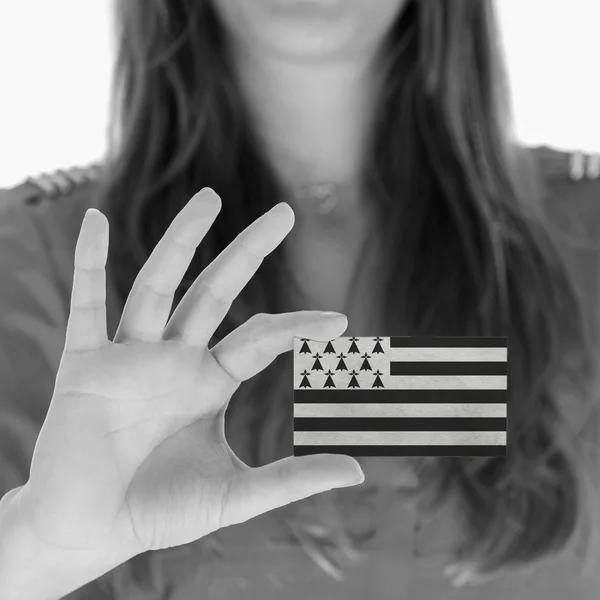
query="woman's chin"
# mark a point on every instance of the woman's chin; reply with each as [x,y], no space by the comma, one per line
[309,39]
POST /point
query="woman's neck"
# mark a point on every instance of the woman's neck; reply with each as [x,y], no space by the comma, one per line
[313,119]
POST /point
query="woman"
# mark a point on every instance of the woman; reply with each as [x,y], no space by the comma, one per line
[430,225]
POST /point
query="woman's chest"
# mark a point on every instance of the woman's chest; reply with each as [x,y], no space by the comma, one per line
[337,270]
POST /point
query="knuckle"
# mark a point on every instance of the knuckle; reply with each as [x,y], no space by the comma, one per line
[247,248]
[85,305]
[154,287]
[213,294]
[137,334]
[179,238]
[83,268]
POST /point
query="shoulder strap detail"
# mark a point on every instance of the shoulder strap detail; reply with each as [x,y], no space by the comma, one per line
[565,165]
[584,166]
[63,181]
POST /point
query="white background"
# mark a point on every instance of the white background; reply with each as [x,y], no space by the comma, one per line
[56,59]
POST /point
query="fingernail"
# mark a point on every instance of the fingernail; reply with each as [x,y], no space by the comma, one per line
[332,315]
[205,195]
[284,207]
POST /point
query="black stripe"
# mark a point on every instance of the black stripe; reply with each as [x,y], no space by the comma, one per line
[399,424]
[388,396]
[402,450]
[448,342]
[448,368]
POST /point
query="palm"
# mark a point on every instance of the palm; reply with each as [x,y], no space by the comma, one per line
[136,417]
[147,391]
[182,487]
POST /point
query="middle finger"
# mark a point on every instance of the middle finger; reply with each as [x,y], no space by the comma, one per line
[210,297]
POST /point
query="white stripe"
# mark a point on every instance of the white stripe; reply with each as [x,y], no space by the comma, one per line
[406,382]
[447,354]
[399,438]
[445,382]
[400,410]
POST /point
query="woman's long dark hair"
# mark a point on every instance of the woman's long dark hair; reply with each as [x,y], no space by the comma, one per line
[467,252]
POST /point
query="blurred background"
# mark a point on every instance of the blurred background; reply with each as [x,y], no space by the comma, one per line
[56,60]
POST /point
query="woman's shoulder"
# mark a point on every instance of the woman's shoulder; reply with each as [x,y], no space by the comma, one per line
[41,217]
[571,204]
[39,224]
[571,182]
[564,167]
[51,198]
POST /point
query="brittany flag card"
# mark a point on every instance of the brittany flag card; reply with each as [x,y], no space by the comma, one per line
[401,396]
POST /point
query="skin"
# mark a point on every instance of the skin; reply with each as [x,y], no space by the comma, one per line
[309,31]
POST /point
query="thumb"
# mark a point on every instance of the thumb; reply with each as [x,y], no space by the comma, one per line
[261,489]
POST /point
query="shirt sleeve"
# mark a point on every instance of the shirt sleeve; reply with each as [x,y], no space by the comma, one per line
[33,313]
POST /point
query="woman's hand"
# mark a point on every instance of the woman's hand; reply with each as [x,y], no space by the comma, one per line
[132,455]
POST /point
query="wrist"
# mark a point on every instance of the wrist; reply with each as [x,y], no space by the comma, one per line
[31,569]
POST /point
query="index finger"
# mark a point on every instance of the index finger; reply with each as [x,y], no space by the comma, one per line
[86,327]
